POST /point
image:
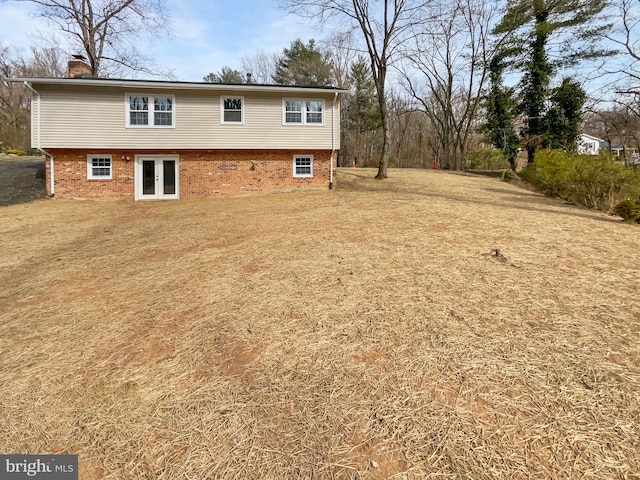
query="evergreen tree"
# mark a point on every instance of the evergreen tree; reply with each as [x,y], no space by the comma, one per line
[225,75]
[500,107]
[565,115]
[363,110]
[534,23]
[304,66]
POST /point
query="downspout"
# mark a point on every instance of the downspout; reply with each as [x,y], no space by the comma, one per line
[333,140]
[38,147]
[52,182]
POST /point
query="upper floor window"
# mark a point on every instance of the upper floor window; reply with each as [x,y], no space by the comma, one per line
[293,111]
[314,111]
[150,110]
[232,109]
[300,112]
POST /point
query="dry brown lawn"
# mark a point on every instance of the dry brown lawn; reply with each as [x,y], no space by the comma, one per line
[367,332]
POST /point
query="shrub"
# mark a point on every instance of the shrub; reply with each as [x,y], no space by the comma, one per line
[488,159]
[631,189]
[597,182]
[592,181]
[550,172]
[14,151]
[508,175]
[628,209]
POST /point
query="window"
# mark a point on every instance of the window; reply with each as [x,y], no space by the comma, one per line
[150,111]
[303,112]
[232,109]
[303,166]
[138,110]
[293,111]
[313,112]
[99,167]
[163,111]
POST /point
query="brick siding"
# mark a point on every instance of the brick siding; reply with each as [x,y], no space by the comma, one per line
[203,173]
[78,68]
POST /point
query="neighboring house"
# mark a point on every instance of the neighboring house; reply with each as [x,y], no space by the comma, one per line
[589,145]
[139,140]
[620,150]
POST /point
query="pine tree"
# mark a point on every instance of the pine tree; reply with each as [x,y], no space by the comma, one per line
[363,110]
[565,115]
[304,66]
[226,75]
[534,24]
[500,107]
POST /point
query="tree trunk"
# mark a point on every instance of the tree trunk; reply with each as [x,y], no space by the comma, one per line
[386,138]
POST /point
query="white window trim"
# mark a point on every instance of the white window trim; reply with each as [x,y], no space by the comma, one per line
[90,175]
[222,99]
[306,175]
[304,111]
[151,111]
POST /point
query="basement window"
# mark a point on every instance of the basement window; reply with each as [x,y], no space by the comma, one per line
[303,166]
[99,167]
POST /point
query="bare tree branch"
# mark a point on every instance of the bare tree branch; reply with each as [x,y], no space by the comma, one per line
[106,31]
[383,28]
[446,72]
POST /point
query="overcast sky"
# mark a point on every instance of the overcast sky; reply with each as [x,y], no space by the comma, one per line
[207,34]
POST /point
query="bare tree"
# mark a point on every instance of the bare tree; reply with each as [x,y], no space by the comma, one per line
[408,132]
[384,27]
[261,66]
[626,35]
[618,123]
[104,31]
[14,99]
[447,61]
[342,54]
[41,62]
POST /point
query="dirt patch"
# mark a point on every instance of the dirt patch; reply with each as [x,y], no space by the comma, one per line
[22,179]
[430,325]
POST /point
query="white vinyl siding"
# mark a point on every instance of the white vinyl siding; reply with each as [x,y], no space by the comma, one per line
[94,118]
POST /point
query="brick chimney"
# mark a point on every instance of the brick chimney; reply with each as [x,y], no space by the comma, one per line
[78,68]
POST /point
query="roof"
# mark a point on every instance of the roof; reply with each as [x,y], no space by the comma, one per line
[591,137]
[163,84]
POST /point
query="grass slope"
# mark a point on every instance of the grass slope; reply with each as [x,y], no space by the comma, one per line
[370,332]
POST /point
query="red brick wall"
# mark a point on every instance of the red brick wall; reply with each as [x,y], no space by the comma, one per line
[76,68]
[203,173]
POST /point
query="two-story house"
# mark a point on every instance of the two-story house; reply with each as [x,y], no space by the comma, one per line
[139,140]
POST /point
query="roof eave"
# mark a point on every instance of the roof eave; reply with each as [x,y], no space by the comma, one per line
[151,84]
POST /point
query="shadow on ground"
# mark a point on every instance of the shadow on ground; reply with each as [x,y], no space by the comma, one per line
[21,180]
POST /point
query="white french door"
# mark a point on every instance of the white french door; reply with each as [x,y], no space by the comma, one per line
[157,177]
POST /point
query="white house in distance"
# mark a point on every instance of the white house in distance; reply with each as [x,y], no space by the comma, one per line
[589,145]
[145,140]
